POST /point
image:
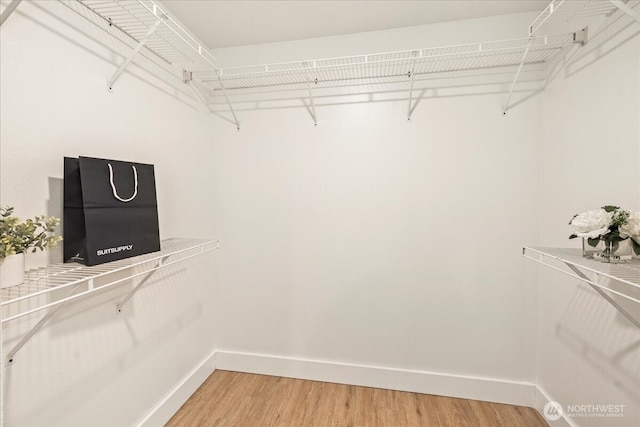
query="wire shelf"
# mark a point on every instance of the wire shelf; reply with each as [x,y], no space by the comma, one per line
[615,282]
[565,11]
[148,29]
[41,288]
[170,41]
[627,272]
[476,56]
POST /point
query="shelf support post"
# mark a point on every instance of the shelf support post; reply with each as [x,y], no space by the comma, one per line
[11,7]
[411,74]
[139,285]
[34,330]
[313,105]
[224,92]
[604,295]
[626,9]
[135,51]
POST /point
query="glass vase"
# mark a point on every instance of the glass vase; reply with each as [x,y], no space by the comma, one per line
[589,251]
[615,252]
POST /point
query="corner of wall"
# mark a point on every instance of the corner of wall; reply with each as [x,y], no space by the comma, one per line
[176,397]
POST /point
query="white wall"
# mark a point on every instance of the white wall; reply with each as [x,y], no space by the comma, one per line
[90,366]
[374,241]
[588,352]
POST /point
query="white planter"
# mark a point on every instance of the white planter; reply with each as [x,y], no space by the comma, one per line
[11,270]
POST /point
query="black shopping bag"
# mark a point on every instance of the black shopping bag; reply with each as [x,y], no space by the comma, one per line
[110,210]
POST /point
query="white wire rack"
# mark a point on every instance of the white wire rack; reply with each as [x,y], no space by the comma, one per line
[51,287]
[170,41]
[146,24]
[475,56]
[596,274]
[565,11]
[49,281]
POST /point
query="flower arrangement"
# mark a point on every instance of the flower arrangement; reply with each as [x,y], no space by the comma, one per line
[19,236]
[609,224]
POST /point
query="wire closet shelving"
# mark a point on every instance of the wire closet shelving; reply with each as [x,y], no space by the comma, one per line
[149,29]
[154,31]
[50,288]
[600,276]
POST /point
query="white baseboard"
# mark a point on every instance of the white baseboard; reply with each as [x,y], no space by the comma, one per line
[467,387]
[168,406]
[542,398]
[460,386]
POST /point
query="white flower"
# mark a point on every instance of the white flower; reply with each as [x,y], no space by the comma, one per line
[592,224]
[632,226]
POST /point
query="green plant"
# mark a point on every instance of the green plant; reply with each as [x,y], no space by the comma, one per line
[18,236]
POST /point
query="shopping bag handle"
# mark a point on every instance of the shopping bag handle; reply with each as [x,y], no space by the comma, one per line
[113,186]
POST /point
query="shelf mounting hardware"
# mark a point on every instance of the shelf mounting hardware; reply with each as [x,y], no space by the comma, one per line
[9,10]
[626,9]
[313,105]
[226,97]
[581,37]
[133,53]
[187,76]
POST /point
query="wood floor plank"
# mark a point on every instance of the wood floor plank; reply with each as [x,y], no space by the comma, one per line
[234,399]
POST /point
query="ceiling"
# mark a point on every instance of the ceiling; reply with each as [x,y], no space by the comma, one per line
[220,23]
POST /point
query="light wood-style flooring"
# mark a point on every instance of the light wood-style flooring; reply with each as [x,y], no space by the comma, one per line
[248,400]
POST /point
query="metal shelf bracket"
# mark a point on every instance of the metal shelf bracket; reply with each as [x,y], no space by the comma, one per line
[53,310]
[515,79]
[604,295]
[411,74]
[226,97]
[624,274]
[313,105]
[139,285]
[34,330]
[133,53]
